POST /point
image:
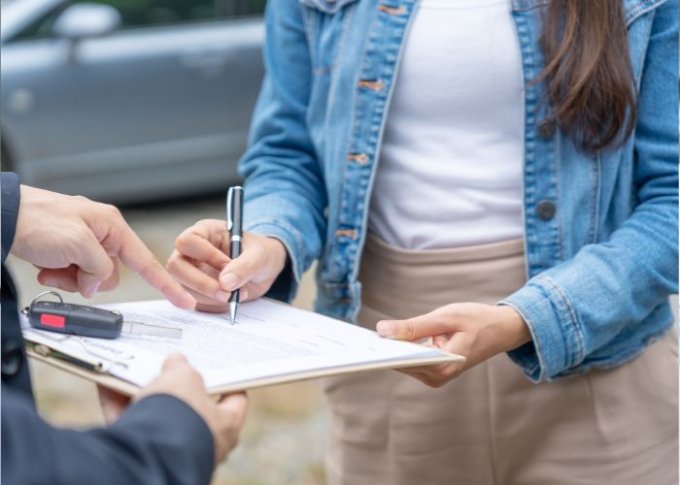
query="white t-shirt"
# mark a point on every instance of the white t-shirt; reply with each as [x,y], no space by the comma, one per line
[450,169]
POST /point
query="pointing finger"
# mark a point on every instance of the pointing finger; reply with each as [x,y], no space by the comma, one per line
[413,329]
[136,256]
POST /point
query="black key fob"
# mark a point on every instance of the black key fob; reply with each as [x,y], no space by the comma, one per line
[82,320]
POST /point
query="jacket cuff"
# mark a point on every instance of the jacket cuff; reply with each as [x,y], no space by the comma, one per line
[11,195]
[557,341]
[286,285]
[170,423]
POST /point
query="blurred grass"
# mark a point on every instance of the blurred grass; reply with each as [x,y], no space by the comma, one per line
[284,436]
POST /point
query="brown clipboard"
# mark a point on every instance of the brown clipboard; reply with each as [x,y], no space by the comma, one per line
[85,370]
[90,371]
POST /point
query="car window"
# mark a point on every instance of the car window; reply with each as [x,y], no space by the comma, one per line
[147,13]
[41,27]
[150,13]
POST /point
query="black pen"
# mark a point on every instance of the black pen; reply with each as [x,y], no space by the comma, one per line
[235,227]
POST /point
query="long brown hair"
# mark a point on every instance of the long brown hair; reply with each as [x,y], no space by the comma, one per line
[588,75]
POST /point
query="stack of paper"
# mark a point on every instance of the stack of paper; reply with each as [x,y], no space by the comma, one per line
[271,343]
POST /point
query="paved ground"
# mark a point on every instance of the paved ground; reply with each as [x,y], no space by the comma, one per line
[283,439]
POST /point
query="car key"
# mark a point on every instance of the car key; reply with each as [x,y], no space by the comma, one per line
[72,319]
[88,321]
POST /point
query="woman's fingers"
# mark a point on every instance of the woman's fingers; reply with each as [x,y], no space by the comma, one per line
[435,375]
[463,343]
[413,329]
[200,263]
[196,263]
[241,270]
[438,375]
[196,245]
[212,230]
[443,330]
[194,279]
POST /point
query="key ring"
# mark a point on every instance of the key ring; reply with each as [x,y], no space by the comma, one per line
[25,310]
[84,344]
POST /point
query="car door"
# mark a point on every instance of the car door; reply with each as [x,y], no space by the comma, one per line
[158,108]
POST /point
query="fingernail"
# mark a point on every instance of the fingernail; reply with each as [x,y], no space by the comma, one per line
[229,281]
[222,295]
[387,329]
[90,292]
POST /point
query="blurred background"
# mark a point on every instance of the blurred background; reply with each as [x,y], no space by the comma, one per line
[146,104]
[128,100]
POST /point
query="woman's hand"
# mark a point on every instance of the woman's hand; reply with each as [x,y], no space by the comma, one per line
[200,263]
[473,330]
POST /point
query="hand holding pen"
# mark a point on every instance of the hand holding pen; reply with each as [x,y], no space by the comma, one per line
[221,270]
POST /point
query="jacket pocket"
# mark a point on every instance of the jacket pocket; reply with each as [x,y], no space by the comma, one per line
[327,23]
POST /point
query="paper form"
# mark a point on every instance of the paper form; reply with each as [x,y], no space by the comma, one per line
[269,339]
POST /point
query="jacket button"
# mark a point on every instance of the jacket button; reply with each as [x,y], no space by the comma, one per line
[545,210]
[372,84]
[11,359]
[360,158]
[547,129]
[348,233]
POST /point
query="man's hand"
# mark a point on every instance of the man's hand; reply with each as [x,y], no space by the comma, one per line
[224,418]
[473,330]
[113,403]
[76,244]
[201,264]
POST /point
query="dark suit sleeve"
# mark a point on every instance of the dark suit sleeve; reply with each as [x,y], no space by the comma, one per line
[9,187]
[158,441]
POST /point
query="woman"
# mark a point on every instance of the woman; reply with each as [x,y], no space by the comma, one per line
[517,204]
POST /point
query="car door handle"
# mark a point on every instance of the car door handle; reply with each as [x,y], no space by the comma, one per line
[210,61]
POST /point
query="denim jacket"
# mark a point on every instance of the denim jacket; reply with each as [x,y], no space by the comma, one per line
[601,231]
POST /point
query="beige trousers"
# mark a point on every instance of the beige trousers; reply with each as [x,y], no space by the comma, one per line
[492,425]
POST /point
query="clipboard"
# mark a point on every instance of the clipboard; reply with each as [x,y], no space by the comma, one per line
[319,333]
[94,371]
[89,371]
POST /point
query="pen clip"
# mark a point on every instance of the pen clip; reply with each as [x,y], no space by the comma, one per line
[230,218]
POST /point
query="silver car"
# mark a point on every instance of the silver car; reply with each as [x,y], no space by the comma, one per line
[126,101]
